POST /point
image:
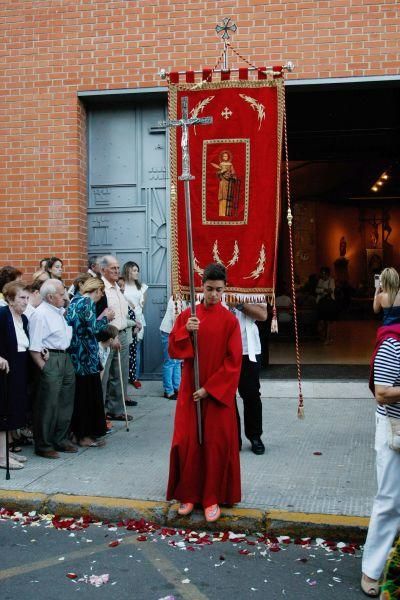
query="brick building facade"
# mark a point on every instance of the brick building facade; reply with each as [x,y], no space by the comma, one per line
[53,49]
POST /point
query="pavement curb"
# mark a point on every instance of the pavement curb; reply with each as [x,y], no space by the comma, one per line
[346,528]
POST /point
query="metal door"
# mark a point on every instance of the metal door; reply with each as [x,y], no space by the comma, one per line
[127,213]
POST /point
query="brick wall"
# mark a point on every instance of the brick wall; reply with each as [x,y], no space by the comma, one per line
[50,49]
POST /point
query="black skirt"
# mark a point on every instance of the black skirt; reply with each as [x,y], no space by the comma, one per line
[88,419]
[14,394]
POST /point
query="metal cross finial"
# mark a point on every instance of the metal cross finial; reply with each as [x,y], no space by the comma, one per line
[185,122]
[226,27]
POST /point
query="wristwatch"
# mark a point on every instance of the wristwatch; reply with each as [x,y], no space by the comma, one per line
[240,307]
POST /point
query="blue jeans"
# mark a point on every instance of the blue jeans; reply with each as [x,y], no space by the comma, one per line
[171,369]
[138,358]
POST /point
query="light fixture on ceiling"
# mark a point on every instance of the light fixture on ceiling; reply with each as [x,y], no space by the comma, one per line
[379,183]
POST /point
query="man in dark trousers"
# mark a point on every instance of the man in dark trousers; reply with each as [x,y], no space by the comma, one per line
[249,383]
[54,401]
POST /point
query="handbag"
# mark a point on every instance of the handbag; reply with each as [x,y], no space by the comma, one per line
[393,431]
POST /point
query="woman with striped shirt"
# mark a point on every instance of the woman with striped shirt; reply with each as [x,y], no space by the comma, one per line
[385,517]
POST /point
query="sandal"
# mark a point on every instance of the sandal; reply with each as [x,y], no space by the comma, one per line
[185,508]
[15,447]
[20,458]
[370,588]
[212,513]
[118,417]
[94,444]
[13,464]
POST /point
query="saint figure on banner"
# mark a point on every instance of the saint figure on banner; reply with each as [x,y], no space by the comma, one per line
[227,178]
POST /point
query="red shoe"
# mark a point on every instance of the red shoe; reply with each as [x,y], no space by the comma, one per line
[185,508]
[136,384]
[212,513]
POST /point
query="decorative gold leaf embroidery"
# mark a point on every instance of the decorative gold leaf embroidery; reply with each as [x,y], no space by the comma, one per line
[197,267]
[194,113]
[257,106]
[260,265]
[235,256]
[216,256]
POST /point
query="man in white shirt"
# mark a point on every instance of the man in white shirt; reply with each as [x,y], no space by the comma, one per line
[249,383]
[54,401]
[93,270]
[111,378]
[94,266]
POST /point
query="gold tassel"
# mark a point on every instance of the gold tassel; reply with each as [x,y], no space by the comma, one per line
[274,321]
[300,408]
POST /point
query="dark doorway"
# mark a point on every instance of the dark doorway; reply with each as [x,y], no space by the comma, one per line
[344,154]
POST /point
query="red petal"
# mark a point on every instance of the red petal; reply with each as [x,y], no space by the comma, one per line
[113,544]
[244,551]
[72,575]
[142,538]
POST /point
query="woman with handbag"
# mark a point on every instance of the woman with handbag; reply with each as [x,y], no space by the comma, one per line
[14,343]
[88,422]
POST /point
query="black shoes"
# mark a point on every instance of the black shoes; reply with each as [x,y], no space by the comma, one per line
[131,402]
[170,396]
[257,446]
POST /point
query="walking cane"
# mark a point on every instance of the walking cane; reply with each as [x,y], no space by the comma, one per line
[122,389]
[5,417]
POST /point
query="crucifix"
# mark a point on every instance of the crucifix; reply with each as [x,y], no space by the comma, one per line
[186,177]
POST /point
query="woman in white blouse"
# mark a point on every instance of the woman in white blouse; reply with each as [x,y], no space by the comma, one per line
[135,293]
[14,343]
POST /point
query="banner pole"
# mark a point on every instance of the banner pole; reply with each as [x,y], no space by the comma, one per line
[186,177]
[189,240]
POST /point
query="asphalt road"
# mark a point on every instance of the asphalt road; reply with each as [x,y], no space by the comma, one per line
[37,560]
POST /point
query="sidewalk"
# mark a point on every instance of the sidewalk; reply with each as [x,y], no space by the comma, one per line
[290,488]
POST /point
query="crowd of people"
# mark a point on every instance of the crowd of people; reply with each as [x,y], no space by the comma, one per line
[66,355]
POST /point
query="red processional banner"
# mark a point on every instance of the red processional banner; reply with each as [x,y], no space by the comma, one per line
[235,201]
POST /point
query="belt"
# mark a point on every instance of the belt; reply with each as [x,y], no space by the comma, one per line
[58,351]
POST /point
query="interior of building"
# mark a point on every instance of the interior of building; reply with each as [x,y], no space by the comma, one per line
[343,142]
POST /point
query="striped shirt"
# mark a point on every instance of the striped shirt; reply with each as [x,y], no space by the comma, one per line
[387,373]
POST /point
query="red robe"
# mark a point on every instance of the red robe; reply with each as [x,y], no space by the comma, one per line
[210,473]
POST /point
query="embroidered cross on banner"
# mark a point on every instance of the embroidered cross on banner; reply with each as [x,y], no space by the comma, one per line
[226,113]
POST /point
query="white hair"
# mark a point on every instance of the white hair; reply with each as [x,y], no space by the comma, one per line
[105,260]
[49,287]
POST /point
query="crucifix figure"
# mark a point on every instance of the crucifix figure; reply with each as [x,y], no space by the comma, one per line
[185,122]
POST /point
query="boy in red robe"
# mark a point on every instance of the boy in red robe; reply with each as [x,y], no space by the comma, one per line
[208,474]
